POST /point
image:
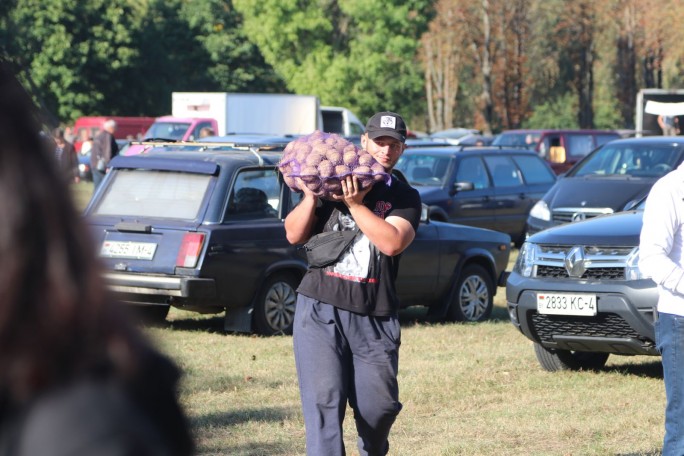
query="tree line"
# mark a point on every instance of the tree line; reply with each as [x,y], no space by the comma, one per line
[487,64]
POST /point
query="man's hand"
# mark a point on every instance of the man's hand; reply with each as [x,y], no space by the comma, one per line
[352,194]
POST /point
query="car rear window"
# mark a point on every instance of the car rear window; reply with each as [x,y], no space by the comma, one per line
[155,194]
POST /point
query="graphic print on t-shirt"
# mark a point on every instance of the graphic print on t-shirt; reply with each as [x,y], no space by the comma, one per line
[360,261]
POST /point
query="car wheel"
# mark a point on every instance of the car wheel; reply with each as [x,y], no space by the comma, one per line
[473,298]
[553,360]
[275,306]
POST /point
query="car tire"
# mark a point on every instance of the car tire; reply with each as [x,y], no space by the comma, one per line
[473,297]
[553,360]
[275,305]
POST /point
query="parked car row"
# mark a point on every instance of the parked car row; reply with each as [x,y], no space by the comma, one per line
[200,227]
[576,290]
[561,148]
[487,187]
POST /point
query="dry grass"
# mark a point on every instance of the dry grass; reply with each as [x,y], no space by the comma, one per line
[467,389]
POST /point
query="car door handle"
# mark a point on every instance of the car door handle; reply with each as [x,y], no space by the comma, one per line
[522,196]
[485,199]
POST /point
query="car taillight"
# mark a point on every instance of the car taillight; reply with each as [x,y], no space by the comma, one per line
[190,249]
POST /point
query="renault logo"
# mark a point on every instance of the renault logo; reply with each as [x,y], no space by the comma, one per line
[575,262]
[579,216]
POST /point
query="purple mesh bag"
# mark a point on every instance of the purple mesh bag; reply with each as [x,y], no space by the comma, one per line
[322,159]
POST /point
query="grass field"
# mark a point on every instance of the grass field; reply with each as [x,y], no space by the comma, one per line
[467,389]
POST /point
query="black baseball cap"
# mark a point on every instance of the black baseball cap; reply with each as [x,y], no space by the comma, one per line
[386,123]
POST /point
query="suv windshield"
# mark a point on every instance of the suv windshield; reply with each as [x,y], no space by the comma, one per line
[157,194]
[167,130]
[424,169]
[528,140]
[639,160]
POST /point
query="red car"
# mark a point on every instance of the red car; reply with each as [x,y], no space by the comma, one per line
[561,148]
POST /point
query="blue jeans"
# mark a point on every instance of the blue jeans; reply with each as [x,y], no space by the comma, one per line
[342,356]
[98,176]
[669,330]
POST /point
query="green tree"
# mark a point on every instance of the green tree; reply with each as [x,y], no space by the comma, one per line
[361,54]
[72,53]
[125,57]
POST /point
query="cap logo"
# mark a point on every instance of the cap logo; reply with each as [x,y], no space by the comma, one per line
[388,122]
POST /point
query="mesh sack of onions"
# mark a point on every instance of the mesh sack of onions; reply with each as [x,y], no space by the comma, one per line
[322,159]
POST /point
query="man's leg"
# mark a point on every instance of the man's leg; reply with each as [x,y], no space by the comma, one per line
[670,340]
[323,364]
[374,396]
[97,178]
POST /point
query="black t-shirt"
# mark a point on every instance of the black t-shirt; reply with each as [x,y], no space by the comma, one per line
[362,281]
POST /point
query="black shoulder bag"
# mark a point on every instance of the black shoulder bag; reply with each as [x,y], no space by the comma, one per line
[326,248]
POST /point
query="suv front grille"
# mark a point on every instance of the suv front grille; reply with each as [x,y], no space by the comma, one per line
[592,273]
[601,263]
[575,214]
[602,325]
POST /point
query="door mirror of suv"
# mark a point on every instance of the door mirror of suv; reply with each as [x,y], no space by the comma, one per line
[424,213]
[462,187]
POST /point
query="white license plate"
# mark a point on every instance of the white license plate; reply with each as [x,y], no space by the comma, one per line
[134,250]
[566,304]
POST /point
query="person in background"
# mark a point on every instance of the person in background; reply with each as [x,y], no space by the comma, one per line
[76,376]
[65,154]
[346,329]
[103,150]
[69,135]
[669,125]
[206,131]
[661,256]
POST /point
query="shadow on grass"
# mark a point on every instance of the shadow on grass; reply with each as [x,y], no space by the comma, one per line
[408,317]
[217,421]
[653,369]
[265,449]
[213,324]
[648,453]
[240,416]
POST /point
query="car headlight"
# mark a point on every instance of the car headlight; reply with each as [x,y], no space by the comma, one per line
[632,271]
[524,265]
[541,211]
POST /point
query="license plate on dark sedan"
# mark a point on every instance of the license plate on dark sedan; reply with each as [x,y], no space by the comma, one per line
[566,304]
[133,250]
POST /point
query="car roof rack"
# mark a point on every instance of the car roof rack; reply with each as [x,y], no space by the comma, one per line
[203,145]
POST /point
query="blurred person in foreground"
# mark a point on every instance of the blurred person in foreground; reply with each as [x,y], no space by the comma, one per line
[76,378]
[104,148]
[65,154]
[661,256]
[346,330]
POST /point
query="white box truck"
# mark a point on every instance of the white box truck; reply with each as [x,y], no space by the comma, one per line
[275,114]
[651,103]
[248,113]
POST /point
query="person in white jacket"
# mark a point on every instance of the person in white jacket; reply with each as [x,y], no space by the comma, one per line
[661,256]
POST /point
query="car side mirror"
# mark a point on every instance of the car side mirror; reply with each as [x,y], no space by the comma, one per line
[461,187]
[424,213]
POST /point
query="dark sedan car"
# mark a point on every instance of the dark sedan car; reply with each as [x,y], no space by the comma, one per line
[577,292]
[200,227]
[486,187]
[610,179]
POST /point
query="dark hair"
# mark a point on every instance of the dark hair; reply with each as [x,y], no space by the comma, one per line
[56,319]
